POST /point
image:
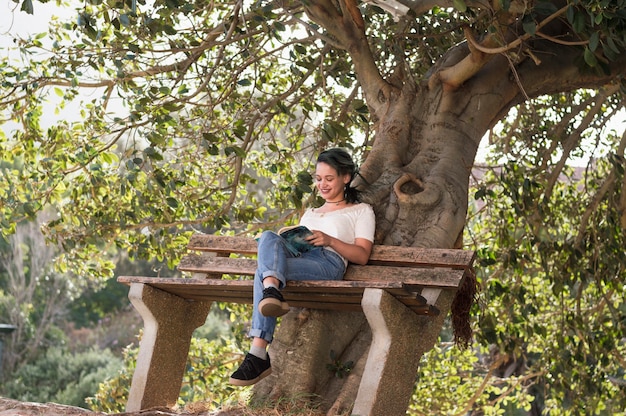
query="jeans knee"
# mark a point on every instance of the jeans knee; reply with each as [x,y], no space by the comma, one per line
[266,237]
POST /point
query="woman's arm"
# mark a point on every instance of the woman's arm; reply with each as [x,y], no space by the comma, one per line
[358,253]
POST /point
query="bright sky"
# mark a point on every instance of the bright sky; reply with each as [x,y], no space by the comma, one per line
[14,21]
[17,23]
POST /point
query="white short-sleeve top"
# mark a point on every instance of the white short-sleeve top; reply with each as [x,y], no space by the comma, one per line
[346,224]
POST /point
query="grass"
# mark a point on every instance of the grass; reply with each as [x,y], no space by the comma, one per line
[301,405]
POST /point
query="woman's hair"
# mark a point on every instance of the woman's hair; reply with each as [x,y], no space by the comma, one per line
[340,160]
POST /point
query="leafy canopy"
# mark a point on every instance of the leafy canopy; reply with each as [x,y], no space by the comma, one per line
[204,115]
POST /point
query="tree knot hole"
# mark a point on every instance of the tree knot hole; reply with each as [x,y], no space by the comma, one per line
[408,185]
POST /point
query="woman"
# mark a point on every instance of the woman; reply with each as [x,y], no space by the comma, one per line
[342,232]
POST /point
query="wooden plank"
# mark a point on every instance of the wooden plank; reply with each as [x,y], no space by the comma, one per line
[222,244]
[243,285]
[345,296]
[444,278]
[197,263]
[381,254]
[428,257]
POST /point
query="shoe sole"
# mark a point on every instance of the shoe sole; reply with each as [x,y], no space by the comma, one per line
[273,307]
[243,383]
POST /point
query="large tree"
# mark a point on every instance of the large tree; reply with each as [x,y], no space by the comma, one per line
[206,116]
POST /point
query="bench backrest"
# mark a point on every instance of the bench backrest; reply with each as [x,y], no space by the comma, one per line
[442,268]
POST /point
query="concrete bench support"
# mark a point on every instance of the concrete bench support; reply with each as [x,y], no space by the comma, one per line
[169,321]
[392,362]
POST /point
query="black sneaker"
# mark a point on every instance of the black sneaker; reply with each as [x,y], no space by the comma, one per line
[251,370]
[273,303]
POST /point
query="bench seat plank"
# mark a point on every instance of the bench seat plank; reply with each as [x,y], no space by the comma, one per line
[325,294]
[403,256]
[440,278]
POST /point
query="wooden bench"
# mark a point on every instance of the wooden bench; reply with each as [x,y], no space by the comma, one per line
[397,287]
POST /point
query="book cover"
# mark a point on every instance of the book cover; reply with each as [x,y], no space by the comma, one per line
[295,237]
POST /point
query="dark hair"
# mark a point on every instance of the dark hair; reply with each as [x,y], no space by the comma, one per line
[340,160]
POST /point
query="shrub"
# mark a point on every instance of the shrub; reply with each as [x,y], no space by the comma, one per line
[75,376]
[209,364]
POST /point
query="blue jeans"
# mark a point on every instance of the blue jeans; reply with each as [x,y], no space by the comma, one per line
[274,259]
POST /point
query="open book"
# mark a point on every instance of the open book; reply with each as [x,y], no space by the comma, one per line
[295,237]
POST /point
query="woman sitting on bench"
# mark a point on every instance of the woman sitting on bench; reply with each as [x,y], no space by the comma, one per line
[342,231]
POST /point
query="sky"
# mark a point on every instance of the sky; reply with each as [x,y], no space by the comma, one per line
[17,23]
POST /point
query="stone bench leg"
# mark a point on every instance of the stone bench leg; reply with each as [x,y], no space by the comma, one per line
[169,322]
[392,363]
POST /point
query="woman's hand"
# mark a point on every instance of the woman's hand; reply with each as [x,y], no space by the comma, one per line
[320,239]
[358,253]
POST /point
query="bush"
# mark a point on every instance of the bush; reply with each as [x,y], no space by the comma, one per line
[209,365]
[62,377]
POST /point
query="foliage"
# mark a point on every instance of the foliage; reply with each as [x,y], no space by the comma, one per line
[338,367]
[555,257]
[209,364]
[112,393]
[204,116]
[43,303]
[76,376]
[33,295]
[194,110]
[453,382]
[100,300]
[555,306]
[176,155]
[552,321]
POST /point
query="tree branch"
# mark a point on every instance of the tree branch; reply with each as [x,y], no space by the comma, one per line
[481,53]
[599,196]
[574,138]
[517,42]
[347,26]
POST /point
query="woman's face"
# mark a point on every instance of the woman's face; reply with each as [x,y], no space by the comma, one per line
[329,183]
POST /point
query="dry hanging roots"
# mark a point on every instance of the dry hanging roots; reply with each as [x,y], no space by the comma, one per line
[460,309]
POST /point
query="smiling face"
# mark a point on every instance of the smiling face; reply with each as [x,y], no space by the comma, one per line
[329,183]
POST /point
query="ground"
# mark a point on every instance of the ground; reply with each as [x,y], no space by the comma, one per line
[10,407]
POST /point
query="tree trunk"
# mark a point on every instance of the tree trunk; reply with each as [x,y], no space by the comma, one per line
[417,180]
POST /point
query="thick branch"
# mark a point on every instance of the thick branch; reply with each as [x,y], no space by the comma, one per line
[347,26]
[420,7]
[453,77]
[517,42]
[482,52]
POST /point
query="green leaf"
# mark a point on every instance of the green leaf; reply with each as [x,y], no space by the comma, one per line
[590,58]
[569,13]
[579,22]
[236,150]
[124,20]
[611,43]
[27,6]
[529,26]
[594,40]
[172,202]
[460,5]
